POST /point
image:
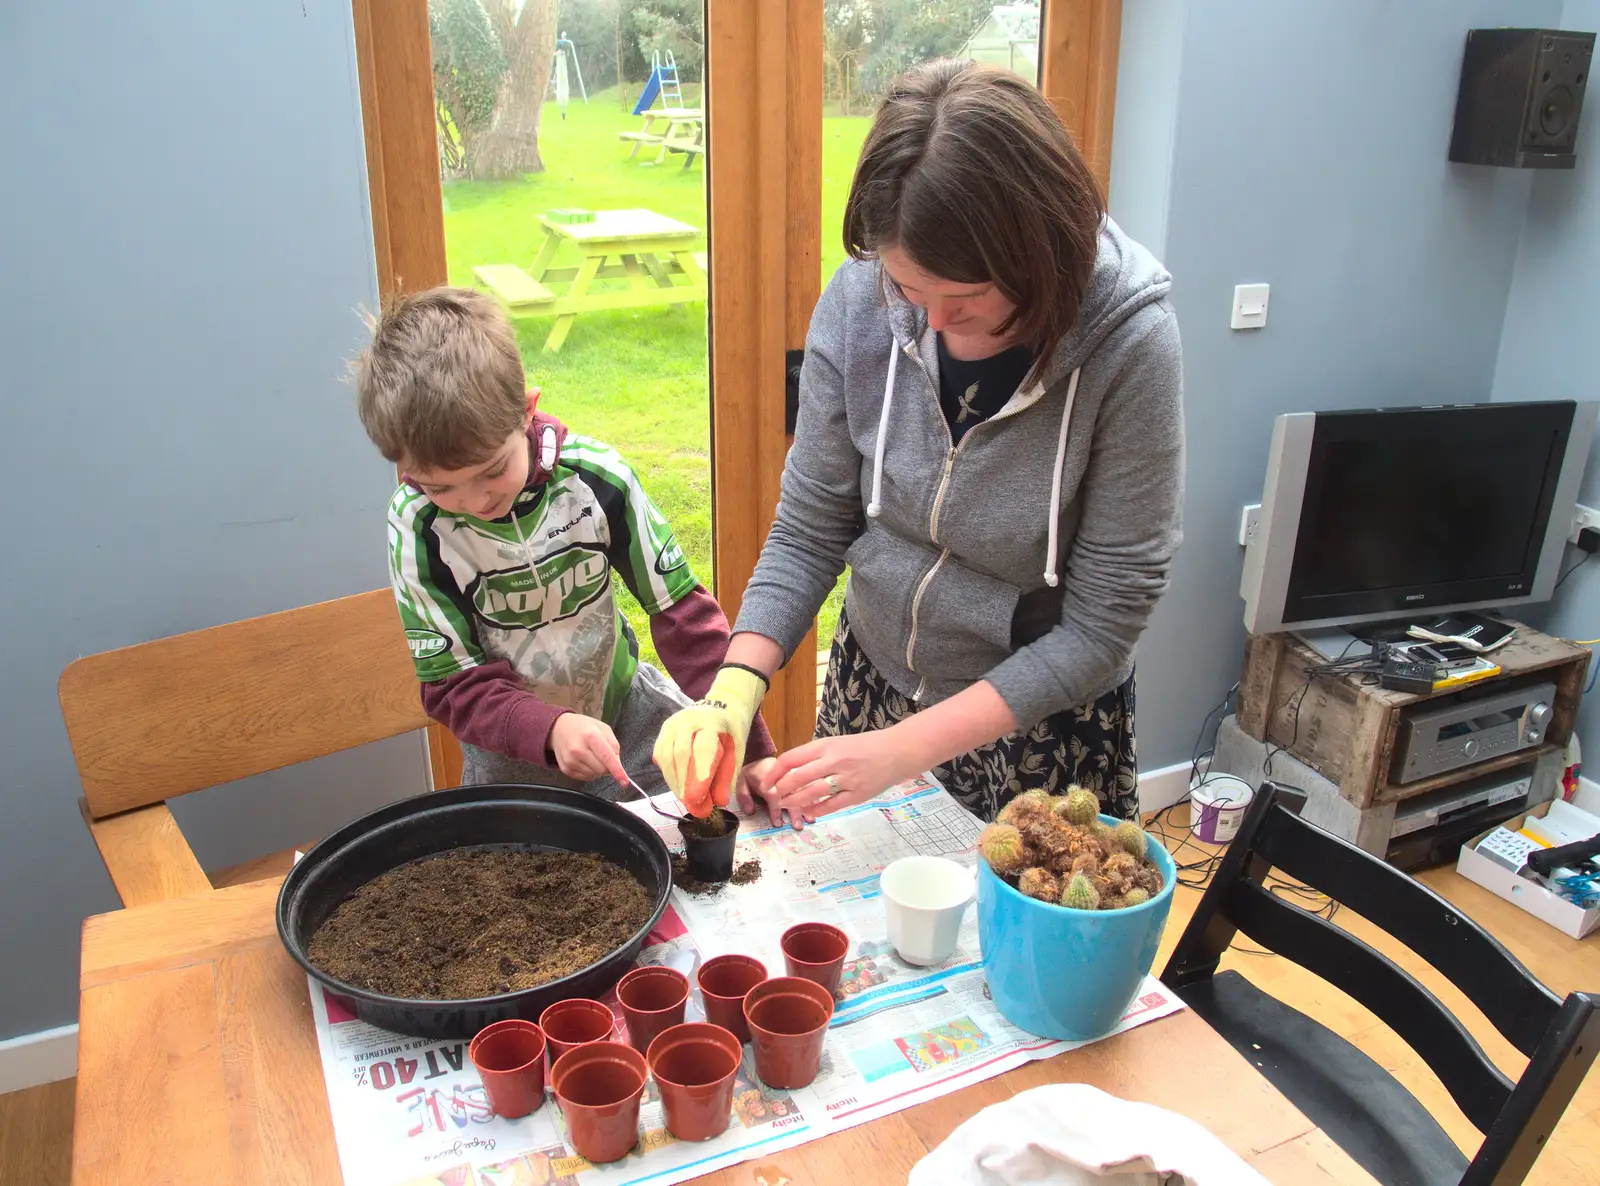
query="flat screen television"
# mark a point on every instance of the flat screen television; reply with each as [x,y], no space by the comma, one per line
[1376,514]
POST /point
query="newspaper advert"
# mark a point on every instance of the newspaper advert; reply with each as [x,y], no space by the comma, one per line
[411,1111]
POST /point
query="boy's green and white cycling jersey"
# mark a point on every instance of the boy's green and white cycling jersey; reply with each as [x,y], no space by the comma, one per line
[534,586]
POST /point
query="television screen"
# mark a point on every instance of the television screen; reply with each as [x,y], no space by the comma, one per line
[1392,514]
[1369,514]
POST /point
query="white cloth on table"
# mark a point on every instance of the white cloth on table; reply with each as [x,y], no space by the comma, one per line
[1071,1134]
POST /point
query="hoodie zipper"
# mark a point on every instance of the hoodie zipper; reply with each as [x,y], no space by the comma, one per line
[952,450]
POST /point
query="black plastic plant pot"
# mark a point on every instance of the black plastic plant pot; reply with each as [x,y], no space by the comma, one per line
[532,818]
[710,858]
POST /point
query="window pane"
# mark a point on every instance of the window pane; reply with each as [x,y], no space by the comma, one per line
[573,169]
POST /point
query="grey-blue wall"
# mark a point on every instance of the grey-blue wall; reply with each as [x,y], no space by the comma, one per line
[1550,348]
[1307,150]
[185,247]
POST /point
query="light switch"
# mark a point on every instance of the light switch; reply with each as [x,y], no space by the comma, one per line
[1249,306]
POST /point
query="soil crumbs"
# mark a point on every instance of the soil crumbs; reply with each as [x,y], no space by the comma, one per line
[479,922]
[744,873]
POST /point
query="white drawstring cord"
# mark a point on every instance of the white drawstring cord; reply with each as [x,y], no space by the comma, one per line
[875,507]
[1050,577]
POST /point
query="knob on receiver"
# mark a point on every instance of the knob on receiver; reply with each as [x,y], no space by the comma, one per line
[1537,719]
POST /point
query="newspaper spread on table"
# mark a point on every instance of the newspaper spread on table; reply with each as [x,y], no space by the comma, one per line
[412,1111]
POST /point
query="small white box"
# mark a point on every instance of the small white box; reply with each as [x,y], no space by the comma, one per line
[1565,916]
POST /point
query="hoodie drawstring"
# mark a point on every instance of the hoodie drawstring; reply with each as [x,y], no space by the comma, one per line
[875,504]
[1050,577]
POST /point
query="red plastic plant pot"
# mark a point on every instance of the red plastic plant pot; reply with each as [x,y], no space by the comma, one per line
[509,1056]
[815,951]
[576,1021]
[788,1018]
[652,999]
[724,981]
[599,1086]
[694,1067]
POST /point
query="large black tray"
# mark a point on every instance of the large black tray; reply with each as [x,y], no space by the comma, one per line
[541,819]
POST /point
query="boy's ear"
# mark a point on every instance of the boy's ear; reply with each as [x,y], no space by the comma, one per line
[533,402]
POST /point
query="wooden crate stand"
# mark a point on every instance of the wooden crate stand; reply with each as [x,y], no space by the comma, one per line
[1346,729]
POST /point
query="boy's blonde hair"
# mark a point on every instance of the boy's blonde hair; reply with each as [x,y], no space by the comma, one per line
[442,386]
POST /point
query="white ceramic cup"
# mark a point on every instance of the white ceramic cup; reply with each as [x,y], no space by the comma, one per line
[925,898]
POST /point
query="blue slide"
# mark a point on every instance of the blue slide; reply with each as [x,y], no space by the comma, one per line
[647,97]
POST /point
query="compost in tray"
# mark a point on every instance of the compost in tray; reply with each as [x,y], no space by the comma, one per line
[479,922]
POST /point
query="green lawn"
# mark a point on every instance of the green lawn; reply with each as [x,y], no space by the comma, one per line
[636,379]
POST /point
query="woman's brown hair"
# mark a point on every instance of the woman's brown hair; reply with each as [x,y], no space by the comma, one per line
[970,172]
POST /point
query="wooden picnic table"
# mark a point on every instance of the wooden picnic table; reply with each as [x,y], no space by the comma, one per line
[197,1062]
[684,130]
[649,250]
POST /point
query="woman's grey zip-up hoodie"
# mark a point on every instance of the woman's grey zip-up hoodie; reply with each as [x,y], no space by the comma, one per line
[954,566]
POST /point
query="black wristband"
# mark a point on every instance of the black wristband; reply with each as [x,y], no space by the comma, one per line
[765,682]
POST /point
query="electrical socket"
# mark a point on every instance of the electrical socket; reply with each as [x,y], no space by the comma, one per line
[1248,518]
[1582,517]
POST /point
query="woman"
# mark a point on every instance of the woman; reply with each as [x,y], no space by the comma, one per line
[991,437]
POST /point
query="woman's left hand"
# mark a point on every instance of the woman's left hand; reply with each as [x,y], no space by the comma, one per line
[833,773]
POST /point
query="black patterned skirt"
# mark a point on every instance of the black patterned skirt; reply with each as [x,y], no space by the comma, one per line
[1092,746]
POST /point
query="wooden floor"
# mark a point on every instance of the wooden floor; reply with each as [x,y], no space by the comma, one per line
[36,1125]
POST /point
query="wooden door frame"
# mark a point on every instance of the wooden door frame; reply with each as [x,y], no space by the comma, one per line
[394,61]
[764,181]
[1078,44]
[764,174]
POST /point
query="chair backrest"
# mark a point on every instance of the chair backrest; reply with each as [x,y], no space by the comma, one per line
[1559,1037]
[160,719]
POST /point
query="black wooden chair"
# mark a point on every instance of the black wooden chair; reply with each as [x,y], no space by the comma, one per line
[1349,1096]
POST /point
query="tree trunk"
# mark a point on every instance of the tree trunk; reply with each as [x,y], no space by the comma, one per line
[511,145]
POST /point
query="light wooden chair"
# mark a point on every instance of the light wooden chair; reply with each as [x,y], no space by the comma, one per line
[154,721]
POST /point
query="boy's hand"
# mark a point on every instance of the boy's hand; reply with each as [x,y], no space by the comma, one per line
[586,748]
[701,748]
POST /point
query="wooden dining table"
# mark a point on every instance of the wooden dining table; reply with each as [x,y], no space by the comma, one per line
[198,1062]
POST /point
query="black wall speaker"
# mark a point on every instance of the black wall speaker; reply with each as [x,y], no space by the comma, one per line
[1521,94]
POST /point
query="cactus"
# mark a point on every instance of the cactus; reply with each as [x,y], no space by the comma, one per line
[1040,883]
[1001,845]
[1118,871]
[1055,843]
[1135,897]
[1026,808]
[1080,894]
[1087,863]
[1119,864]
[1131,837]
[1080,806]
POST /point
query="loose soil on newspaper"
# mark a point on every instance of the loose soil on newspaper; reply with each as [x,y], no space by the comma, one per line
[479,922]
[744,873]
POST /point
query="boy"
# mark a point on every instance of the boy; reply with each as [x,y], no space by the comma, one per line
[503,537]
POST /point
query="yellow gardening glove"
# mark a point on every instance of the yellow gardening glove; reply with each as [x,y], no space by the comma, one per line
[701,748]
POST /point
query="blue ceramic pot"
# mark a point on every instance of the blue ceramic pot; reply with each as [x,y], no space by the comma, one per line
[1063,973]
